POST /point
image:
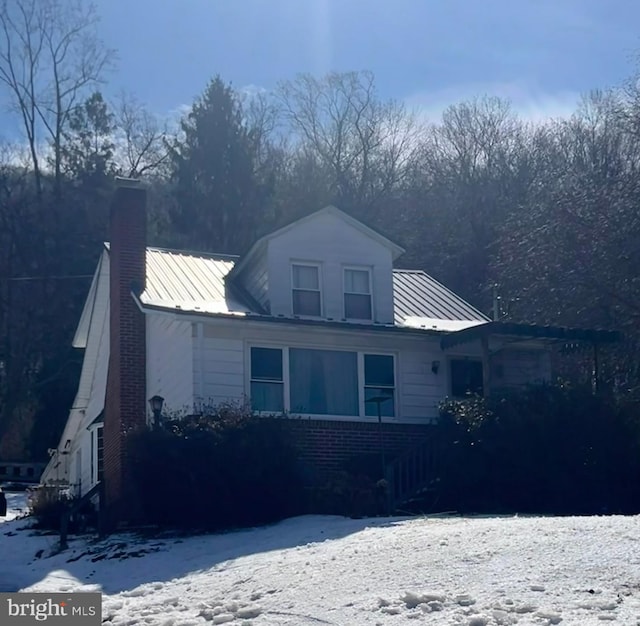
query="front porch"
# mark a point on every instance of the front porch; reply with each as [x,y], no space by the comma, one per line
[498,345]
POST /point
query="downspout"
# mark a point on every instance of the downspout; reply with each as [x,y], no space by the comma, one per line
[486,366]
[596,373]
[200,345]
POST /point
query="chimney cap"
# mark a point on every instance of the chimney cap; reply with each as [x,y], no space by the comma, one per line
[131,183]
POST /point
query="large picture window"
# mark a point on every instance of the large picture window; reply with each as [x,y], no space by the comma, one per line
[323,382]
[267,382]
[357,294]
[306,292]
[313,381]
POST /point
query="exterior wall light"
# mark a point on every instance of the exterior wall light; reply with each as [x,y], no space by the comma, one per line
[156,402]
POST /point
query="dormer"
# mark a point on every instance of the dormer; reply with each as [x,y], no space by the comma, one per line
[326,265]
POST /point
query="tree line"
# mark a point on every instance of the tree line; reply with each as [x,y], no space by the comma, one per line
[545,215]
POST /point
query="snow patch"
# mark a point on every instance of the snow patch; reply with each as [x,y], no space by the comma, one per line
[413,599]
[327,571]
[550,617]
[464,599]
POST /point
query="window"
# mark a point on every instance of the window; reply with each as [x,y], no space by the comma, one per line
[79,468]
[323,382]
[314,381]
[357,294]
[93,456]
[379,385]
[100,447]
[466,377]
[305,280]
[267,383]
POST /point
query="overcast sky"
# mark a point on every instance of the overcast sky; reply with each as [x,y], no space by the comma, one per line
[539,53]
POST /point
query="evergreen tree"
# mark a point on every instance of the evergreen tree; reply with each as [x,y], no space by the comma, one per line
[219,198]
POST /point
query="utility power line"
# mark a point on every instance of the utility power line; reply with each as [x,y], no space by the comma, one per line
[59,277]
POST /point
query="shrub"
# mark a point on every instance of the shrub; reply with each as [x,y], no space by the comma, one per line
[48,503]
[545,449]
[225,469]
[350,494]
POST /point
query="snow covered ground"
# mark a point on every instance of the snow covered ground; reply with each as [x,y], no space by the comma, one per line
[330,570]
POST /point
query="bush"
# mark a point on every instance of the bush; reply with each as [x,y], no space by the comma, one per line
[225,469]
[48,503]
[350,494]
[544,450]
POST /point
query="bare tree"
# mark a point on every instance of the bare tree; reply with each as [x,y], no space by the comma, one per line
[49,56]
[364,142]
[141,146]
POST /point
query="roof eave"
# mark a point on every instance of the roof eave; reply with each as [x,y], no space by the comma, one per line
[254,317]
[553,334]
[82,330]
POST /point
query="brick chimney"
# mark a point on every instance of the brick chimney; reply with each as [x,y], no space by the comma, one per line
[125,402]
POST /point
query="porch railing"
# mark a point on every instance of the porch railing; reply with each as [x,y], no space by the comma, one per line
[414,473]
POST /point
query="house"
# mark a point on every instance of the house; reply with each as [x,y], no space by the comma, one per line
[313,322]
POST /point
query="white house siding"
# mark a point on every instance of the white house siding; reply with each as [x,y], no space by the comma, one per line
[328,240]
[510,367]
[218,365]
[225,364]
[422,390]
[89,400]
[85,474]
[81,476]
[514,368]
[99,384]
[170,347]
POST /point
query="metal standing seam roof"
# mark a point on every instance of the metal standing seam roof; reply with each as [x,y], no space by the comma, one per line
[416,294]
[190,281]
[193,281]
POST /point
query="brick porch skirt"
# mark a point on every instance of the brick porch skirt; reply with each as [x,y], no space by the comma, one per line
[327,446]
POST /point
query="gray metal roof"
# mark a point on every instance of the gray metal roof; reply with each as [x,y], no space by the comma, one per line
[419,299]
[192,281]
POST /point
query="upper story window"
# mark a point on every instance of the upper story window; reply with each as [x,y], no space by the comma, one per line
[306,292]
[357,294]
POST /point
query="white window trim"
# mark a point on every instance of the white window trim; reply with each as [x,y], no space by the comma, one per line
[395,384]
[359,268]
[318,266]
[93,434]
[284,382]
[360,352]
[92,464]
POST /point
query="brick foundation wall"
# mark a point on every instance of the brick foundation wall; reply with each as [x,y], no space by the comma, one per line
[125,406]
[327,446]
